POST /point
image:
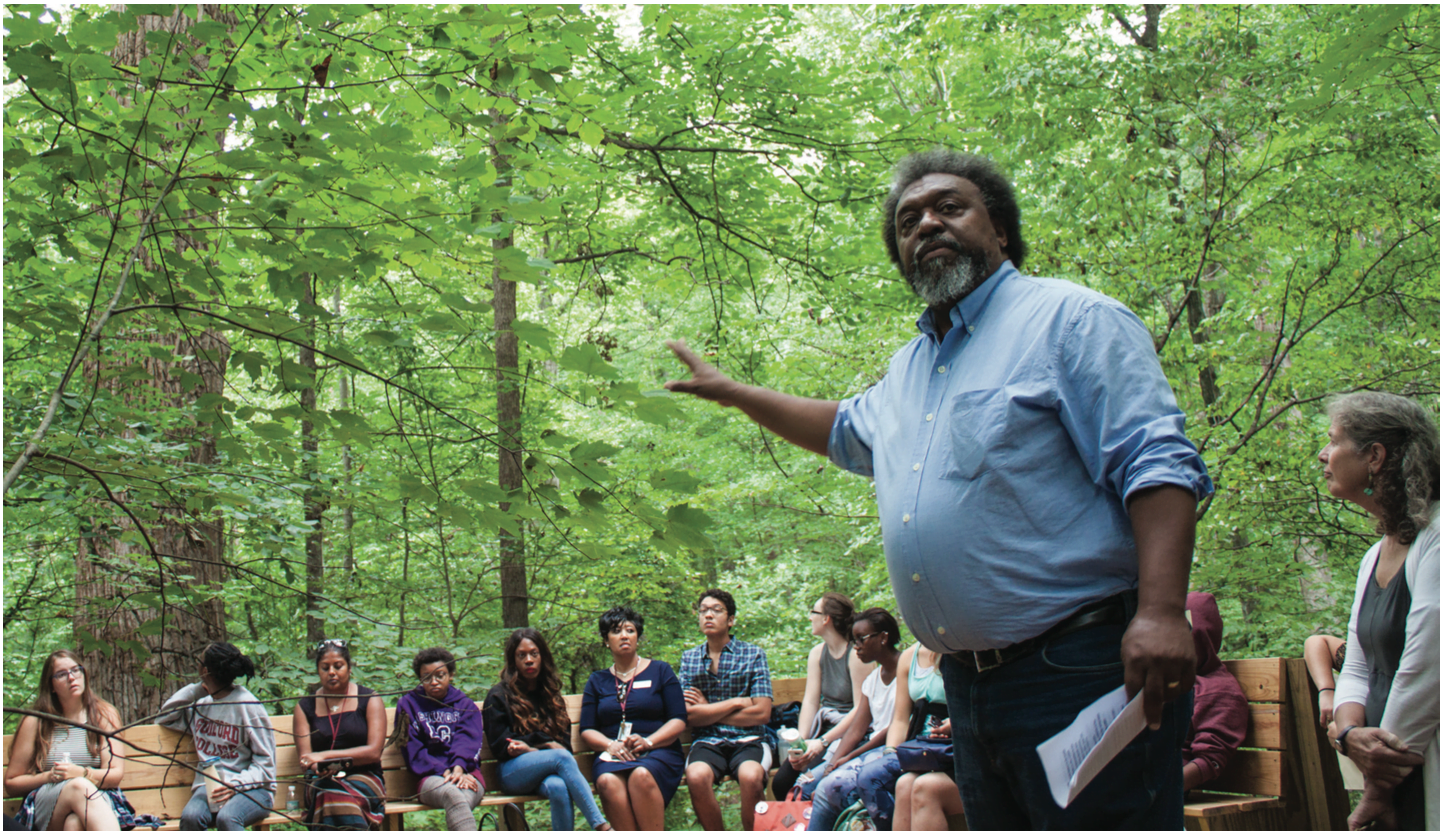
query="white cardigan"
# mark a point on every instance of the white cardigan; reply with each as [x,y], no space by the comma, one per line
[1412,705]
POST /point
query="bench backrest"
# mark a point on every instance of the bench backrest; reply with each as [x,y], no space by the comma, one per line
[154,784]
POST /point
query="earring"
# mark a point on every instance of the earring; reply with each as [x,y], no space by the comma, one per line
[1370,476]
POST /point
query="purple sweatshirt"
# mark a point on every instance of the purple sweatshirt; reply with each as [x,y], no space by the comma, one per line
[442,733]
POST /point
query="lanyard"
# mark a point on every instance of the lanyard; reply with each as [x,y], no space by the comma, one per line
[623,692]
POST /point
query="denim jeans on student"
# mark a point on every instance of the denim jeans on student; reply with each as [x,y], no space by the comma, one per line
[552,773]
[237,814]
[837,790]
[876,783]
[999,716]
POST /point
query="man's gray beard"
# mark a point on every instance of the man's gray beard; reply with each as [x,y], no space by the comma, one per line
[945,281]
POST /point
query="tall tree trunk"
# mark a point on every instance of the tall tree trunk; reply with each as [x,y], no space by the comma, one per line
[315,497]
[348,514]
[515,603]
[119,640]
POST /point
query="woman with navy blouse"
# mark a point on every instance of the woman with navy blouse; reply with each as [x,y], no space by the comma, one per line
[634,713]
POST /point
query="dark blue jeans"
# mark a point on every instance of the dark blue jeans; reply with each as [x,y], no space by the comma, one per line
[999,716]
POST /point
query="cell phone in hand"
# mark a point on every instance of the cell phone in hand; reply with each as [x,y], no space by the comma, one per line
[330,767]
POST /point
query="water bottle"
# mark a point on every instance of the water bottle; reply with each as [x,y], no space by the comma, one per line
[795,744]
[292,802]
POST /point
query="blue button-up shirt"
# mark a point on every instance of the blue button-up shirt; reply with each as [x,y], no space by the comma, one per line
[1003,456]
[741,672]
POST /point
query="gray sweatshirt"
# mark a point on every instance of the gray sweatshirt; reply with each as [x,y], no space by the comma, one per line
[237,733]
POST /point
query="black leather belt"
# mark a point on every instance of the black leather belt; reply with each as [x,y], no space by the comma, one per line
[1110,611]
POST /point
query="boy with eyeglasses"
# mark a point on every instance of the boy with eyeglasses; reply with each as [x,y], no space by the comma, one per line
[728,703]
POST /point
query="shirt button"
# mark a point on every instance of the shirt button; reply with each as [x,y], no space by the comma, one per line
[941,369]
[916,577]
[916,467]
[971,328]
[928,418]
[941,629]
[906,518]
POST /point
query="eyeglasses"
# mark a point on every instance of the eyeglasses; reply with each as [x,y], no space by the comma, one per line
[66,674]
[714,610]
[340,644]
[857,641]
[436,677]
[817,614]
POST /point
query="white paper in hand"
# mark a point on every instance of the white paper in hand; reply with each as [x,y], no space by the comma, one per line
[1074,756]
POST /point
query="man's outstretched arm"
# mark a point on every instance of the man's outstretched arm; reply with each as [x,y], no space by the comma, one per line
[800,420]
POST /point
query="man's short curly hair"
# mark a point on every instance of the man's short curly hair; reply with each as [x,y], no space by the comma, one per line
[995,190]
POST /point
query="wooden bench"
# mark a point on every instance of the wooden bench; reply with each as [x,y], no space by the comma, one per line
[155,785]
[1285,776]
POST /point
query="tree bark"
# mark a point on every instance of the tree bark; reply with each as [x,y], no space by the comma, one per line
[315,498]
[119,643]
[515,602]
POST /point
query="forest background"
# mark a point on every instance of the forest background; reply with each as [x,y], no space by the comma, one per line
[347,321]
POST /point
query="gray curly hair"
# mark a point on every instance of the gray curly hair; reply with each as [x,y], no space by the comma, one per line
[1406,485]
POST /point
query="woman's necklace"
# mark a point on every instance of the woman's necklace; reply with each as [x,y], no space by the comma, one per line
[334,707]
[629,673]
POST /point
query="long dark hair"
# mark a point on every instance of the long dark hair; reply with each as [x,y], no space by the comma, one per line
[98,711]
[554,721]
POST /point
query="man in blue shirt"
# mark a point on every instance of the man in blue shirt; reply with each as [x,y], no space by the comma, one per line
[728,702]
[1037,498]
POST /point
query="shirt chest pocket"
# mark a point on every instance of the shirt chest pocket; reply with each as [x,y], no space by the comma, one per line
[975,423]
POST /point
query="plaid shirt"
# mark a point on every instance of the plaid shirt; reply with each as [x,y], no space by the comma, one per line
[742,673]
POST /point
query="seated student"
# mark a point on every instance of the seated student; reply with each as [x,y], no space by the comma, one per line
[638,771]
[443,732]
[342,720]
[875,634]
[833,673]
[923,800]
[1219,711]
[728,702]
[529,733]
[69,777]
[226,723]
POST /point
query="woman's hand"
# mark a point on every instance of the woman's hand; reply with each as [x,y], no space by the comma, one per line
[943,730]
[310,760]
[516,747]
[1382,757]
[620,751]
[815,749]
[638,745]
[220,793]
[65,771]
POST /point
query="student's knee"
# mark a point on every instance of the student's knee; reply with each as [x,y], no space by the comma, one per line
[609,784]
[931,788]
[641,780]
[699,776]
[194,818]
[554,787]
[72,823]
[751,776]
[78,790]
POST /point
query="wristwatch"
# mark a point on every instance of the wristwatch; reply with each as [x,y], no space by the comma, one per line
[1340,742]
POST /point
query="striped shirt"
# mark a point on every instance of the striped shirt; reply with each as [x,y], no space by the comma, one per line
[70,740]
[741,672]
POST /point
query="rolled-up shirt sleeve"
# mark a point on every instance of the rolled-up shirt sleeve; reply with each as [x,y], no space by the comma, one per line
[854,430]
[1118,407]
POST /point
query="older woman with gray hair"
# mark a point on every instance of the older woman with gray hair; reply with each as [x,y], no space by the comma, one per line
[1382,456]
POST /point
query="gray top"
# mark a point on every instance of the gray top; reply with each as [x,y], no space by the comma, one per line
[1382,631]
[71,740]
[836,680]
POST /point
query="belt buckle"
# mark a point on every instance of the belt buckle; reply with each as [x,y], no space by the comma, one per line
[982,667]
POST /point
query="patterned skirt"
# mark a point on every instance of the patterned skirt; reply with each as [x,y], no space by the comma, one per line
[356,802]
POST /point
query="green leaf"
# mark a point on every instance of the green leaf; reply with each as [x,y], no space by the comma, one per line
[532,334]
[592,134]
[587,360]
[674,480]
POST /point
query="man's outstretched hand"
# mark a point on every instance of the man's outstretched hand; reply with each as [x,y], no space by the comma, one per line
[705,382]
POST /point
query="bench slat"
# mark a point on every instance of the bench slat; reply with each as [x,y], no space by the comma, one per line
[1262,678]
[1264,727]
[1220,805]
[1256,772]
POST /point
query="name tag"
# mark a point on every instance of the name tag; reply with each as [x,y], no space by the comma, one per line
[641,685]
